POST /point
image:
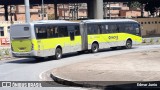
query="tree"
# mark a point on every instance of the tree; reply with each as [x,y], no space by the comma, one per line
[134,4]
[150,5]
[51,16]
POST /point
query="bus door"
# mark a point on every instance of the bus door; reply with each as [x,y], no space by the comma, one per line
[72,40]
[41,34]
[40,47]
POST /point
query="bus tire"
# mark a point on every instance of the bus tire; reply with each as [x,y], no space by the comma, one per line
[94,48]
[58,53]
[128,44]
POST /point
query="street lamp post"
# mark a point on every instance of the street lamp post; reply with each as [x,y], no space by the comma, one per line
[27,12]
[42,10]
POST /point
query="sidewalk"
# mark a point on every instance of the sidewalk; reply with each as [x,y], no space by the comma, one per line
[151,40]
[131,67]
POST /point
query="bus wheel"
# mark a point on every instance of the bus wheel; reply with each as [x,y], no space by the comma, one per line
[128,44]
[94,48]
[58,53]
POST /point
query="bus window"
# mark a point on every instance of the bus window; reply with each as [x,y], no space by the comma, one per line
[102,29]
[52,32]
[49,32]
[41,32]
[77,31]
[129,28]
[113,28]
[62,31]
[121,28]
[93,29]
[137,29]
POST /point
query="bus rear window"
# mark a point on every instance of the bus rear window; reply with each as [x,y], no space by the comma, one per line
[20,31]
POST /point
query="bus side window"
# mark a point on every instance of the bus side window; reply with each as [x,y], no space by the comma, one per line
[129,28]
[55,30]
[121,28]
[113,28]
[93,29]
[41,32]
[49,32]
[104,29]
[89,29]
[77,31]
[74,28]
[62,31]
[137,29]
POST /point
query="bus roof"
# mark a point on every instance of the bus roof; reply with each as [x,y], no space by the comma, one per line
[51,22]
[108,20]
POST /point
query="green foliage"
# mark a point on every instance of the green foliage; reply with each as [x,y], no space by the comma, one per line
[4,52]
[7,51]
[1,53]
[144,41]
[51,16]
[151,5]
[151,40]
[158,40]
[134,4]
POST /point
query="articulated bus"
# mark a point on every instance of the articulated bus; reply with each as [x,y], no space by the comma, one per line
[41,39]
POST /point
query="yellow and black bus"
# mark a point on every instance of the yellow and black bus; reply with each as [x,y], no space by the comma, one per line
[99,34]
[53,38]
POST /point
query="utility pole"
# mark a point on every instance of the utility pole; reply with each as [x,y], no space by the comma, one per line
[74,11]
[6,12]
[64,12]
[109,10]
[42,10]
[27,11]
[142,10]
[105,10]
[77,9]
[11,14]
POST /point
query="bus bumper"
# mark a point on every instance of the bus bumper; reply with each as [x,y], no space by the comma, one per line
[24,54]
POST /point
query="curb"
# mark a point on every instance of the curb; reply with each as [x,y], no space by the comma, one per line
[74,83]
[130,86]
[151,40]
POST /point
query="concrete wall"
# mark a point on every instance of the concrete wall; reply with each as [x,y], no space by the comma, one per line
[151,26]
[95,9]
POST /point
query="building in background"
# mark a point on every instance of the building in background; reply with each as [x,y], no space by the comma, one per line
[74,11]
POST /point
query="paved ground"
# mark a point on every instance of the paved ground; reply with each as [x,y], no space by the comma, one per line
[31,70]
[134,66]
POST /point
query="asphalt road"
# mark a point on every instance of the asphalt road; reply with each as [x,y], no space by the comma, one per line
[31,70]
